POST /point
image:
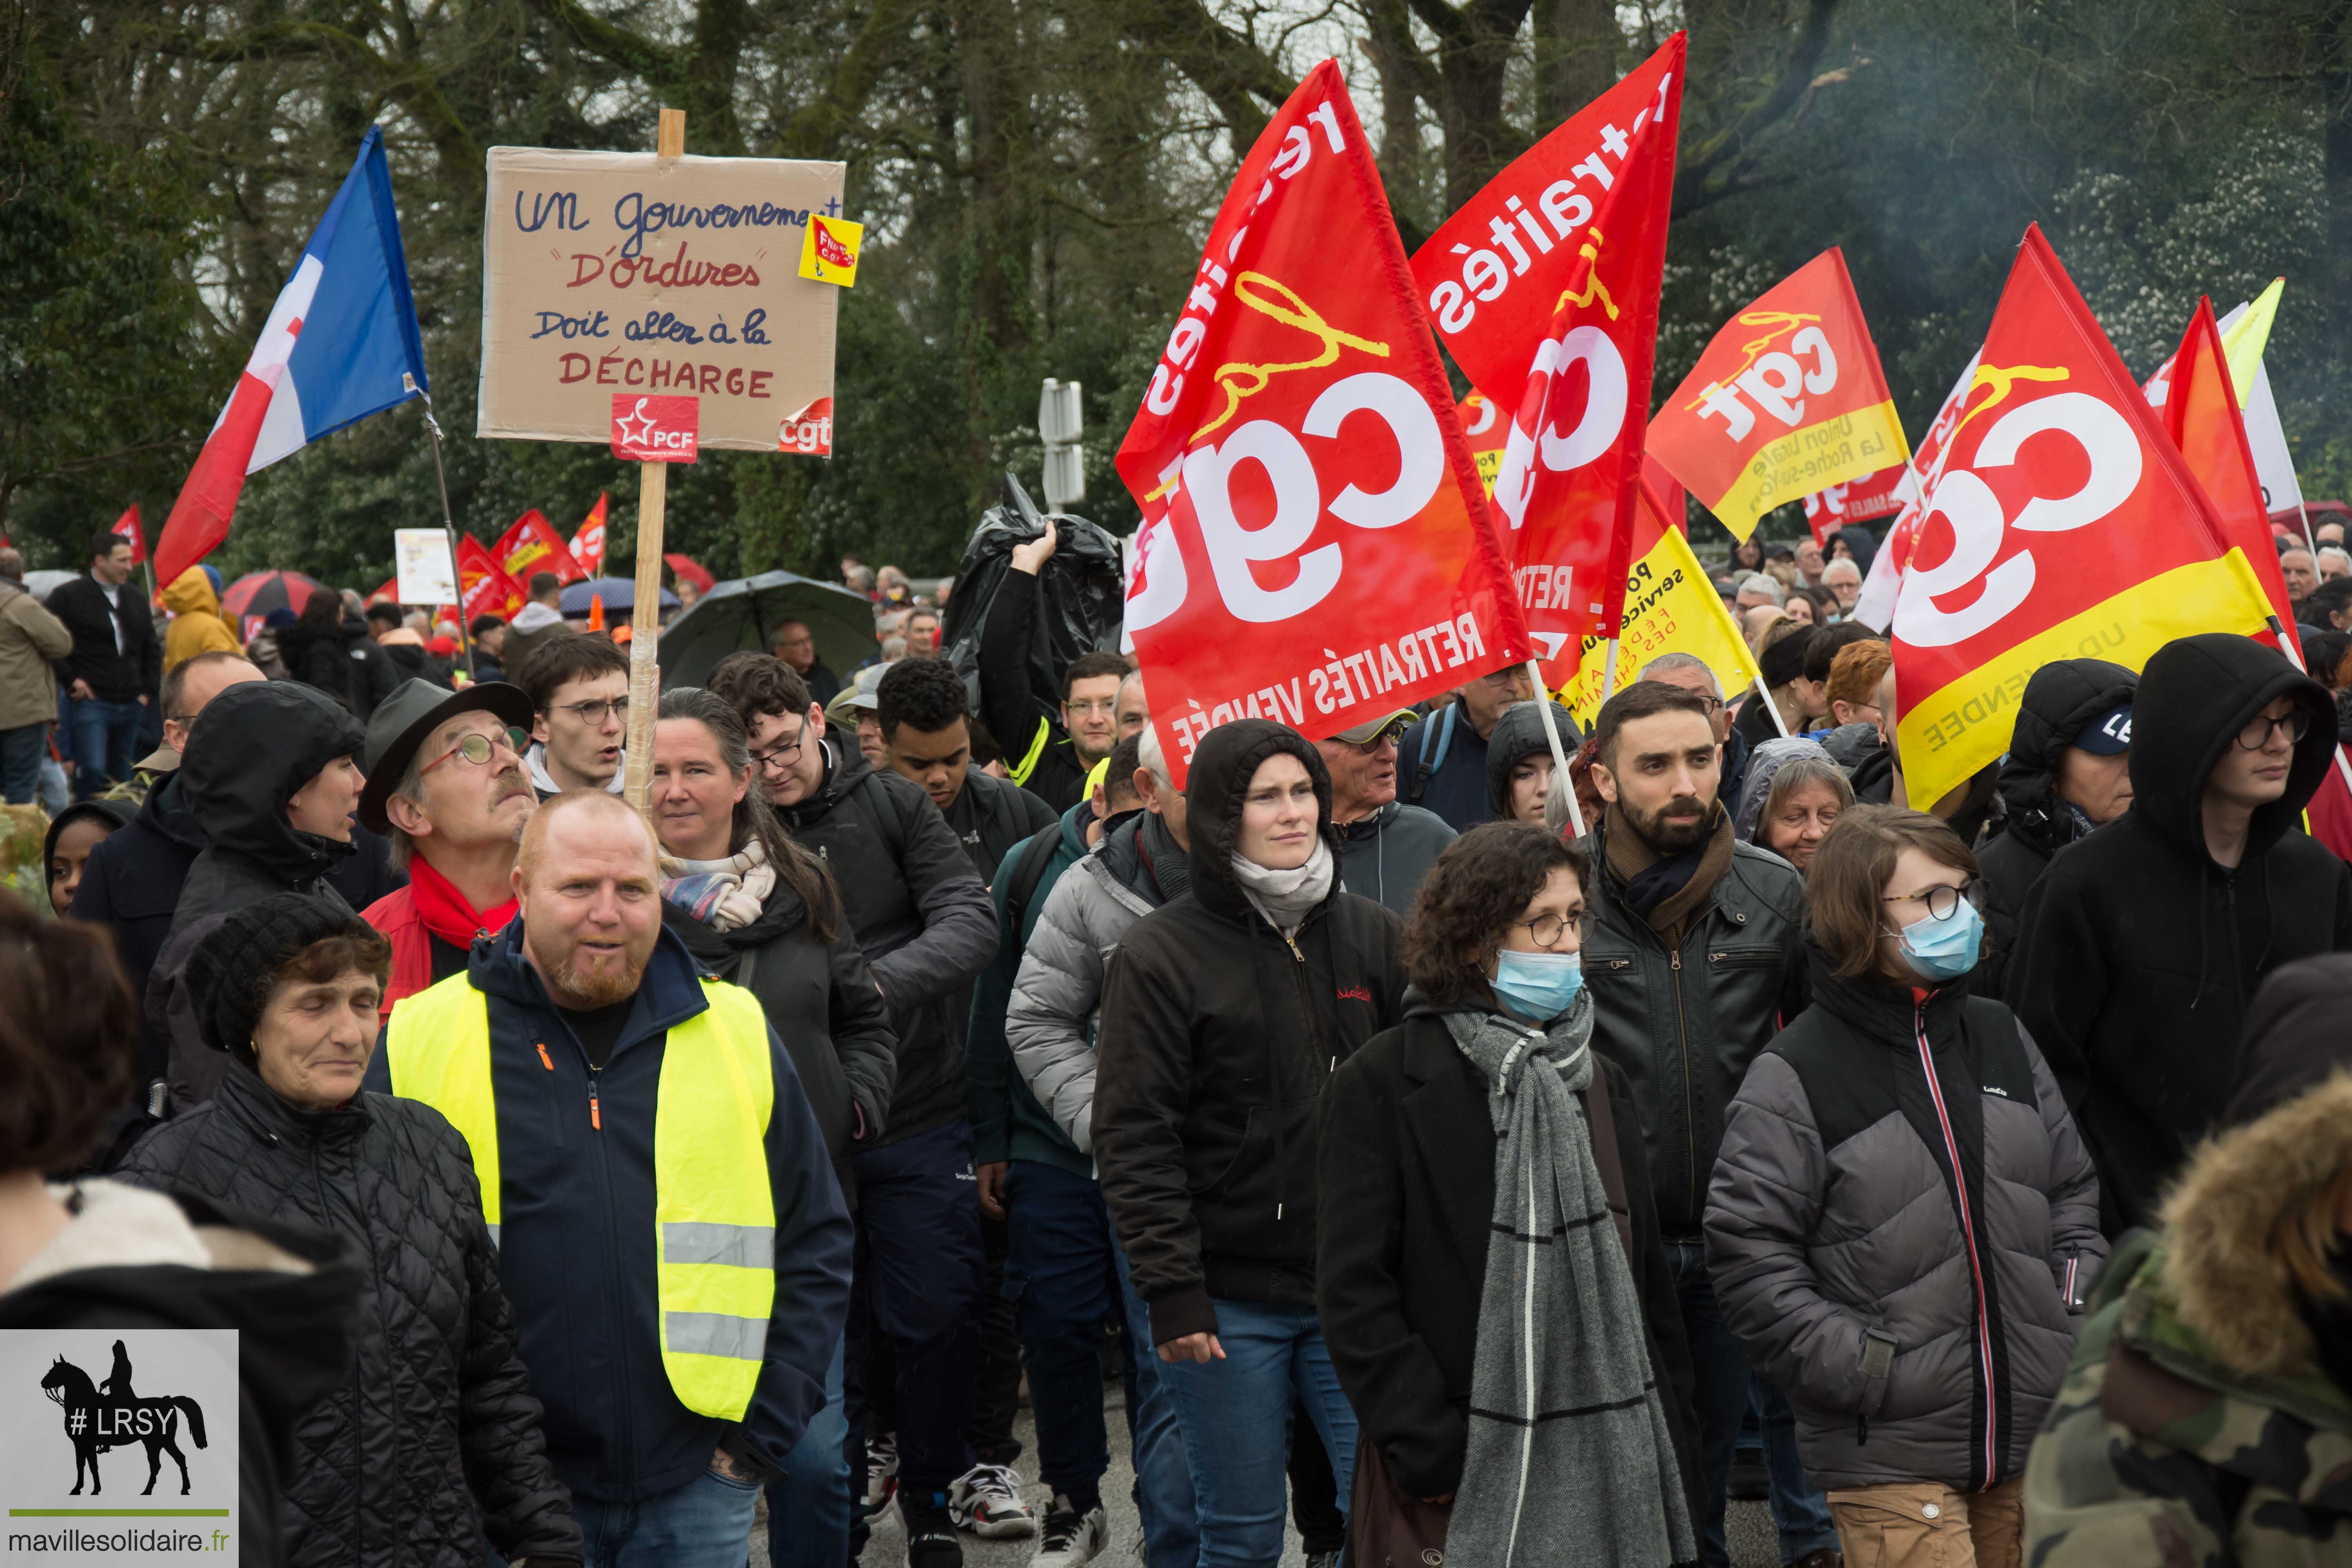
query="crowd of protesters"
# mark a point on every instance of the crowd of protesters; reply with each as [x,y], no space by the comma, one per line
[1969,1179]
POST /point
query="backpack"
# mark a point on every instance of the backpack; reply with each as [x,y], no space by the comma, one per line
[1029,870]
[1426,762]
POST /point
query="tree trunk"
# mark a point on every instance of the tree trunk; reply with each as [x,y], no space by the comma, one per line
[1577,43]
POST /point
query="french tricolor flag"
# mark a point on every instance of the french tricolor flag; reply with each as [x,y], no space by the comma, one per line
[340,345]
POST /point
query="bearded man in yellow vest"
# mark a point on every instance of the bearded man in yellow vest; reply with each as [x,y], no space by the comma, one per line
[670,1229]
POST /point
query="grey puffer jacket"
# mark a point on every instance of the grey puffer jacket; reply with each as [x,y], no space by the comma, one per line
[1057,996]
[1904,1252]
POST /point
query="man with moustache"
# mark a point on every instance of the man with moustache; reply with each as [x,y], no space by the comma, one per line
[446,782]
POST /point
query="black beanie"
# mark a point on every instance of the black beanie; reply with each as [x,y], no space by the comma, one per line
[232,967]
[1785,660]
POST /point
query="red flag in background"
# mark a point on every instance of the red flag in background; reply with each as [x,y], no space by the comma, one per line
[1487,429]
[1326,554]
[533,545]
[127,527]
[486,586]
[1579,331]
[587,549]
[689,570]
[1865,499]
[1666,493]
[2199,410]
[2064,524]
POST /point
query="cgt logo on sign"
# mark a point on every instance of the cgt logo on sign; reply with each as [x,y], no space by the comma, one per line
[656,429]
[809,432]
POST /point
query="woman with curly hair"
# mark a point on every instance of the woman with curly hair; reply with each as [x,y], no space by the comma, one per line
[1523,1385]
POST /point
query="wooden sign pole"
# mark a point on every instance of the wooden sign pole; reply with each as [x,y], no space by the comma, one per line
[644,621]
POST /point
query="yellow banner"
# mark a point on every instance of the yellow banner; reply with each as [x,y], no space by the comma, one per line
[1812,459]
[1670,607]
[1967,725]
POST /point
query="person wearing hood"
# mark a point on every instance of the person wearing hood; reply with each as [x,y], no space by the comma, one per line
[538,623]
[197,624]
[1223,1013]
[1902,1224]
[438,1414]
[1386,847]
[2208,1406]
[923,920]
[318,654]
[1855,544]
[73,837]
[1795,793]
[755,908]
[2140,947]
[1491,1279]
[1441,763]
[272,777]
[99,1255]
[1520,763]
[579,692]
[2067,772]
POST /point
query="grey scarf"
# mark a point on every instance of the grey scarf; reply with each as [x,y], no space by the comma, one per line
[1170,865]
[1569,1457]
[1285,897]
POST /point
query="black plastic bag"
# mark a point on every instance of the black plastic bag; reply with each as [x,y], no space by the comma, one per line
[1080,593]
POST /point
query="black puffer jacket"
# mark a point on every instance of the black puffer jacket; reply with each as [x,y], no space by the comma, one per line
[1217,1036]
[2138,953]
[1902,1229]
[2063,696]
[438,1419]
[921,918]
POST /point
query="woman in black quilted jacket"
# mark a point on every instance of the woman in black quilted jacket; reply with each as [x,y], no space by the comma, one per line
[437,1423]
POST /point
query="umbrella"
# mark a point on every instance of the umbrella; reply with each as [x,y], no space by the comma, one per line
[741,613]
[619,594]
[257,592]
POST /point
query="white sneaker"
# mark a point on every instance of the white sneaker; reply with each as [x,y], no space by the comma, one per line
[1070,1539]
[881,1472]
[986,1500]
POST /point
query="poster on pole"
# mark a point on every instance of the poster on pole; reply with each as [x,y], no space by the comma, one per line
[606,273]
[425,574]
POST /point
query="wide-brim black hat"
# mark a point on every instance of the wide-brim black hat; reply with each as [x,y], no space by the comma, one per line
[413,710]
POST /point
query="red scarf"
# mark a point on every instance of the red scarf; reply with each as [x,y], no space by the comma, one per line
[445,912]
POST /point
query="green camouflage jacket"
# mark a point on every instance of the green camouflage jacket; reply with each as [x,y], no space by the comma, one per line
[2157,1454]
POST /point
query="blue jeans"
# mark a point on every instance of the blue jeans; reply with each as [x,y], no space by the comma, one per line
[1234,1414]
[1065,1275]
[1719,1369]
[1799,1512]
[706,1523]
[20,762]
[103,735]
[808,1510]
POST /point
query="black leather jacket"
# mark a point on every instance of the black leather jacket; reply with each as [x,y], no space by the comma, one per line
[1685,1024]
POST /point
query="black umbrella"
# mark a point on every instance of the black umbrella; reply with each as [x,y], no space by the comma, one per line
[742,613]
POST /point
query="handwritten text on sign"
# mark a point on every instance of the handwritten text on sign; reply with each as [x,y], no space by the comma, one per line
[613,273]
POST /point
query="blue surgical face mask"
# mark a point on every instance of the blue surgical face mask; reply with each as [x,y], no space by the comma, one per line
[1538,985]
[1945,949]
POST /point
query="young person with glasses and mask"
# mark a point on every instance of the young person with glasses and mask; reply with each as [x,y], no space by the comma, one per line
[1483,1120]
[579,692]
[1902,1221]
[2139,949]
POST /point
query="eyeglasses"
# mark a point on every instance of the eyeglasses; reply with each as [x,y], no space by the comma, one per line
[1547,929]
[1943,901]
[592,713]
[781,756]
[478,749]
[1105,706]
[1387,737]
[1713,703]
[2259,730]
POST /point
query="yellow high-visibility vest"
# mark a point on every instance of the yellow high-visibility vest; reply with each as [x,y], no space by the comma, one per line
[714,1213]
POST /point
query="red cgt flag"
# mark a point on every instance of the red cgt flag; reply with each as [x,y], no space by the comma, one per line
[687,569]
[1787,398]
[127,527]
[487,587]
[1318,547]
[2194,397]
[533,545]
[1565,334]
[587,550]
[2064,523]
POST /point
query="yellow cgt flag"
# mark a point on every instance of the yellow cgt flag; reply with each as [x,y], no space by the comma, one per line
[1670,607]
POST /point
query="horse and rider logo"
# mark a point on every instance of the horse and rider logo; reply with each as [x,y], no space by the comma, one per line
[109,1415]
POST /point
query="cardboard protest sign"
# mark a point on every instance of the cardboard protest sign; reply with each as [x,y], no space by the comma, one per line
[606,273]
[423,569]
[1671,607]
[1786,398]
[1317,547]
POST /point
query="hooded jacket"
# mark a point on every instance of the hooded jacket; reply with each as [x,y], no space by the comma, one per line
[131,886]
[112,814]
[576,1251]
[2137,954]
[1518,735]
[31,641]
[2195,1425]
[991,817]
[921,916]
[197,624]
[1385,856]
[1218,1035]
[435,1417]
[1763,767]
[135,1259]
[1901,1224]
[2063,696]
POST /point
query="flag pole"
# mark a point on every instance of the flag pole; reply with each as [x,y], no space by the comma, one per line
[1771,707]
[645,620]
[1608,672]
[1559,752]
[448,524]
